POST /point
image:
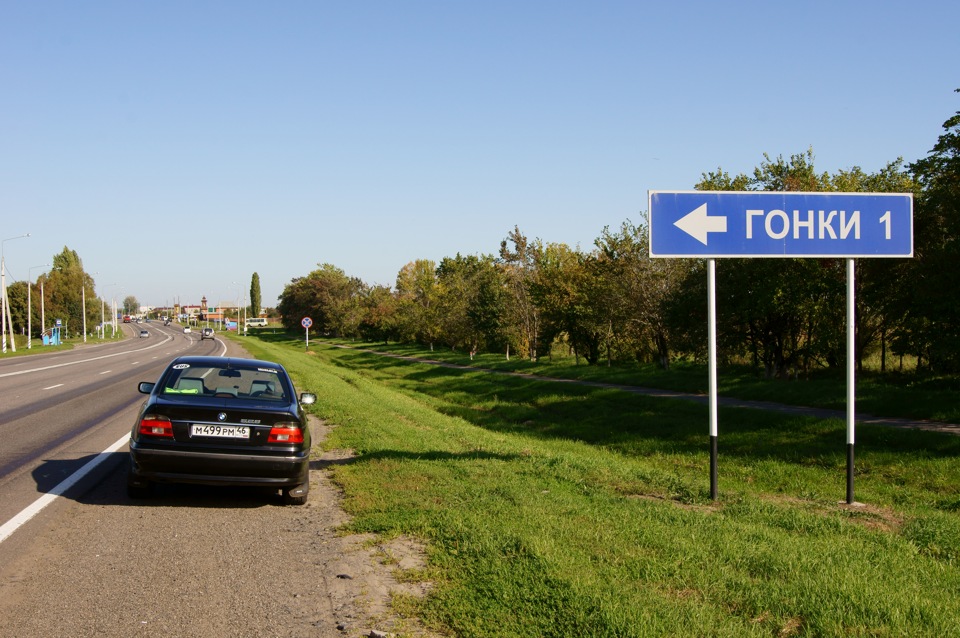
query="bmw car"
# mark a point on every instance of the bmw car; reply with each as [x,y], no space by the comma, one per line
[222,421]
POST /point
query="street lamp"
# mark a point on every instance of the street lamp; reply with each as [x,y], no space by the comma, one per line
[113,322]
[115,314]
[30,305]
[5,315]
[103,315]
[239,288]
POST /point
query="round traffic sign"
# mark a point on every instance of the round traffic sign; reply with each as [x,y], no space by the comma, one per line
[306,322]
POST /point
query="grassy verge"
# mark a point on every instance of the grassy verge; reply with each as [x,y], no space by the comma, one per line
[891,394]
[558,510]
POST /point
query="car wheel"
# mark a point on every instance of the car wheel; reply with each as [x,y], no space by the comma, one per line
[296,495]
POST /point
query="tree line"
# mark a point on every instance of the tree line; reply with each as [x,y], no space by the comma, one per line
[613,303]
[64,293]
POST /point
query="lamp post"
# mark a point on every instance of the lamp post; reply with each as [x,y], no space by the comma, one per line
[238,305]
[83,305]
[30,304]
[4,302]
[115,314]
[113,322]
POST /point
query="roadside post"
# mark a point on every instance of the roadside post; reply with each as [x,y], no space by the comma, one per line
[766,224]
[306,322]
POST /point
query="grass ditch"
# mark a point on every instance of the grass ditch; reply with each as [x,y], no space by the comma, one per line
[554,509]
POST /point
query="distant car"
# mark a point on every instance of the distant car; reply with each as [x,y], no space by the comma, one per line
[186,330]
[144,333]
[206,333]
[222,421]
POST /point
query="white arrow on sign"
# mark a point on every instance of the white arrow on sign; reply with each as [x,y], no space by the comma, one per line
[697,224]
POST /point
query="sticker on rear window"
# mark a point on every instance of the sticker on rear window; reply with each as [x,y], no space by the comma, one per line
[181,366]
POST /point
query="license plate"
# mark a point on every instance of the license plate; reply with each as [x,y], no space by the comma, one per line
[222,431]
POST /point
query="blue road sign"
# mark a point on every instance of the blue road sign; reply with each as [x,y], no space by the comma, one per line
[780,224]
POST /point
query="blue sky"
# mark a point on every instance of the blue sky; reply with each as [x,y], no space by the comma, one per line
[179,147]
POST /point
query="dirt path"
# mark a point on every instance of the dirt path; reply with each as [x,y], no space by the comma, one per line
[822,413]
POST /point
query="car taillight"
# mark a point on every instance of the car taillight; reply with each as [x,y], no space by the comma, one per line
[285,433]
[156,425]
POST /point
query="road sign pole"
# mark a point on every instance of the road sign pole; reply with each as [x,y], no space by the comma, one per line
[851,374]
[306,322]
[712,349]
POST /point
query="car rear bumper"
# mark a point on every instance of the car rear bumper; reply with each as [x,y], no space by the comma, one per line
[208,468]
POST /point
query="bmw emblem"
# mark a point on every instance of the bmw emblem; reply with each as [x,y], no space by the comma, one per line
[222,416]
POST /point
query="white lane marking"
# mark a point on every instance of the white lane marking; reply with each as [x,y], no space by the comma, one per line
[37,506]
[73,363]
[51,387]
[106,371]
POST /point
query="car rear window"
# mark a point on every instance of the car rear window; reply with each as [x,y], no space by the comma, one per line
[254,383]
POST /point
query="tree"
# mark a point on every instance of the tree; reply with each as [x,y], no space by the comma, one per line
[379,316]
[255,295]
[774,307]
[418,293]
[880,282]
[130,305]
[786,314]
[931,303]
[520,274]
[66,286]
[328,296]
[566,292]
[471,302]
[17,297]
[638,291]
[456,278]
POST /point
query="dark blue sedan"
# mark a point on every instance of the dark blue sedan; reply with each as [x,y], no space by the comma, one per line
[222,421]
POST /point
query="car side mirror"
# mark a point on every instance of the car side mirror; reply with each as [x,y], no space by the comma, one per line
[145,387]
[308,398]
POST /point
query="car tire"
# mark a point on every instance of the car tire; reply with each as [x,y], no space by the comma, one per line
[296,495]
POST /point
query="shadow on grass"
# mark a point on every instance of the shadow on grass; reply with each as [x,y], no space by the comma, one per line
[634,424]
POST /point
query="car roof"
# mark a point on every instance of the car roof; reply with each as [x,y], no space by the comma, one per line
[225,362]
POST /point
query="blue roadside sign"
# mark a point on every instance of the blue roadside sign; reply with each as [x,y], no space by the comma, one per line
[780,224]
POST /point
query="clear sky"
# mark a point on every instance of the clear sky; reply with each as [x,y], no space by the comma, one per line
[180,146]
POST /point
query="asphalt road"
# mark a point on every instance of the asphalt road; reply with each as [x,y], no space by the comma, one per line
[192,561]
[58,410]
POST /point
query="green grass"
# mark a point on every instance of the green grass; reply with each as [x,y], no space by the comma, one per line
[553,509]
[892,394]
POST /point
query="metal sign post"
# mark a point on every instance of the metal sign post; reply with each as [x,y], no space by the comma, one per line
[712,348]
[851,375]
[715,224]
[306,322]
